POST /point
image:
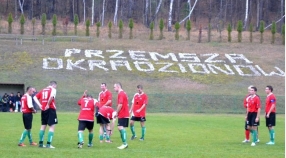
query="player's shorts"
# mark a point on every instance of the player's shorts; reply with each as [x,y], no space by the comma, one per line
[123,122]
[251,119]
[27,120]
[101,119]
[49,117]
[141,119]
[85,124]
[271,120]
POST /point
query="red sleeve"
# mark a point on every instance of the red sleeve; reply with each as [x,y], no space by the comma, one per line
[79,101]
[258,102]
[245,102]
[146,100]
[120,98]
[109,95]
[38,95]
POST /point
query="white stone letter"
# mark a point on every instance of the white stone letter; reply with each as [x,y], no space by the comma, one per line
[115,63]
[189,57]
[155,54]
[70,64]
[96,53]
[248,67]
[203,68]
[138,55]
[68,52]
[233,57]
[58,61]
[97,63]
[138,63]
[229,71]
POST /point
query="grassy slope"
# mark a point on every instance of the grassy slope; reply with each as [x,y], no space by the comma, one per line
[23,64]
[171,135]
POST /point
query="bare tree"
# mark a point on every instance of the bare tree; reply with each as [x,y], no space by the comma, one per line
[170,16]
[103,11]
[246,14]
[190,13]
[146,12]
[157,10]
[83,11]
[21,4]
[92,13]
[115,13]
[16,9]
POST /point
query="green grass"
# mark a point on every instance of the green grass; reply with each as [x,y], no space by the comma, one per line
[168,135]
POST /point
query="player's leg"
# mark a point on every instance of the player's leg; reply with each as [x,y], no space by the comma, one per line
[122,124]
[24,133]
[81,126]
[254,128]
[143,128]
[90,134]
[132,128]
[52,121]
[101,133]
[108,133]
[270,123]
[247,133]
[30,120]
[44,121]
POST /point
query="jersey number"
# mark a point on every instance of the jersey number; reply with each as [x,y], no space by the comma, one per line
[45,95]
[86,101]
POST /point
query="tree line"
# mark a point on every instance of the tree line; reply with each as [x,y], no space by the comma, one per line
[218,13]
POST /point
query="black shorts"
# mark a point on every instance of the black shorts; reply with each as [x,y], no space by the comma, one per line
[49,117]
[141,119]
[123,122]
[85,124]
[27,120]
[251,119]
[271,120]
[245,126]
[101,119]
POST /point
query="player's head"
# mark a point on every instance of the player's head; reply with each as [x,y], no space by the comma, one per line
[253,90]
[249,88]
[268,89]
[88,96]
[117,87]
[53,84]
[140,88]
[103,86]
[30,90]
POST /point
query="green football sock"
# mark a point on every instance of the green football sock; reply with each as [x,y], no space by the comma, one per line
[23,136]
[80,137]
[100,137]
[272,135]
[50,137]
[143,131]
[254,135]
[90,137]
[41,136]
[29,136]
[132,130]
[123,136]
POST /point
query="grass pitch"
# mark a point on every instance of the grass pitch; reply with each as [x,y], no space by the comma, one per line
[168,135]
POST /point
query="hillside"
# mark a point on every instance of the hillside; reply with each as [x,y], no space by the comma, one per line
[179,76]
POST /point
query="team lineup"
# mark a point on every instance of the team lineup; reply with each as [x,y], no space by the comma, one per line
[90,108]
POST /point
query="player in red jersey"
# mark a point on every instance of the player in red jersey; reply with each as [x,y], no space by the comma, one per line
[28,110]
[138,111]
[104,99]
[253,111]
[270,113]
[105,114]
[48,114]
[122,113]
[86,118]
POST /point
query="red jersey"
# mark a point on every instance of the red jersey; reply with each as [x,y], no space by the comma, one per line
[270,99]
[103,97]
[86,109]
[245,101]
[253,103]
[123,99]
[44,96]
[138,101]
[27,104]
[106,111]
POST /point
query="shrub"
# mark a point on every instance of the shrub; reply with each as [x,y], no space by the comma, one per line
[131,25]
[188,27]
[239,30]
[229,29]
[87,24]
[43,23]
[75,21]
[54,25]
[98,24]
[33,25]
[273,31]
[10,21]
[250,33]
[22,22]
[161,27]
[261,30]
[177,28]
[109,29]
[120,29]
[283,34]
[151,30]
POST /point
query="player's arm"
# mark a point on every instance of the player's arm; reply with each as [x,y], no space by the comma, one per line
[30,104]
[52,96]
[119,106]
[37,102]
[273,105]
[132,104]
[145,102]
[109,100]
[258,110]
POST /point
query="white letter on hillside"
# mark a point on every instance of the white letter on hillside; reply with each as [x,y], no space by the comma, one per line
[204,69]
[212,67]
[68,52]
[138,55]
[233,57]
[280,73]
[96,53]
[115,64]
[46,62]
[249,67]
[116,55]
[70,64]
[155,54]
[212,56]
[97,63]
[138,63]
[164,68]
[187,56]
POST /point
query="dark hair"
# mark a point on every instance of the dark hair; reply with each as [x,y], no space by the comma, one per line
[254,88]
[53,83]
[88,95]
[139,86]
[270,88]
[119,84]
[103,83]
[28,88]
